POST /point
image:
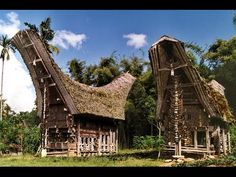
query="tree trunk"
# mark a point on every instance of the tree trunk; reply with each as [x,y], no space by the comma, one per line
[159,136]
[1,111]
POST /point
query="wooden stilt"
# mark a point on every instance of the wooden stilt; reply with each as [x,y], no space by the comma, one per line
[116,139]
[99,140]
[207,140]
[110,141]
[224,141]
[179,148]
[195,139]
[229,143]
[78,140]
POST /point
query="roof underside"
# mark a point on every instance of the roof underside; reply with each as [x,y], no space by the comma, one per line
[106,101]
[168,50]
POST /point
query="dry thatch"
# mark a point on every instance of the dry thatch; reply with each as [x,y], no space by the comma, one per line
[211,95]
[106,101]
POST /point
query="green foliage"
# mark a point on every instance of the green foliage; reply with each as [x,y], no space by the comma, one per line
[134,66]
[233,138]
[19,132]
[225,74]
[147,142]
[46,33]
[76,69]
[6,45]
[31,139]
[221,52]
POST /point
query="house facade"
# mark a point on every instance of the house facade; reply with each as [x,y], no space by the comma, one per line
[194,114]
[76,119]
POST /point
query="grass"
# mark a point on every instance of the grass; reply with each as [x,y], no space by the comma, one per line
[125,158]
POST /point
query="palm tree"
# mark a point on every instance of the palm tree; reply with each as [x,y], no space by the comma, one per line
[5,42]
[46,34]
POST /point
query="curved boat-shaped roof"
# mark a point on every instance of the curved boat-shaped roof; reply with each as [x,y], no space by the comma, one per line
[167,50]
[106,101]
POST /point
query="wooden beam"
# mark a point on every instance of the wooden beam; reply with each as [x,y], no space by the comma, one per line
[182,85]
[191,102]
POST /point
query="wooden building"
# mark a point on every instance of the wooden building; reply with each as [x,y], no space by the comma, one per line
[77,119]
[194,114]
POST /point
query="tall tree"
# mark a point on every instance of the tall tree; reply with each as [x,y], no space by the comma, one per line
[6,45]
[77,69]
[46,33]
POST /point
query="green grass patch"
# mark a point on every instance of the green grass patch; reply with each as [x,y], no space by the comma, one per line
[125,158]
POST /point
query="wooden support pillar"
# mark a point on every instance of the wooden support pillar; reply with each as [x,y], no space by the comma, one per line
[99,140]
[78,140]
[92,144]
[207,140]
[110,141]
[224,141]
[229,143]
[116,139]
[104,142]
[179,148]
[195,138]
[218,148]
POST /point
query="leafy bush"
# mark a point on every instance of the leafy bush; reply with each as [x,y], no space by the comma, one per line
[233,138]
[18,133]
[31,139]
[147,142]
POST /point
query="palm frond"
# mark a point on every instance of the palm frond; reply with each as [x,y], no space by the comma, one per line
[32,26]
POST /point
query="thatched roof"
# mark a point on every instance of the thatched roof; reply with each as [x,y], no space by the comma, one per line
[106,101]
[211,96]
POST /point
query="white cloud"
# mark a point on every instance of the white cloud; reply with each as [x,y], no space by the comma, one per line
[18,88]
[136,40]
[11,26]
[65,39]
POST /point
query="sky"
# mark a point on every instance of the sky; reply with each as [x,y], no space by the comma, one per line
[91,34]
